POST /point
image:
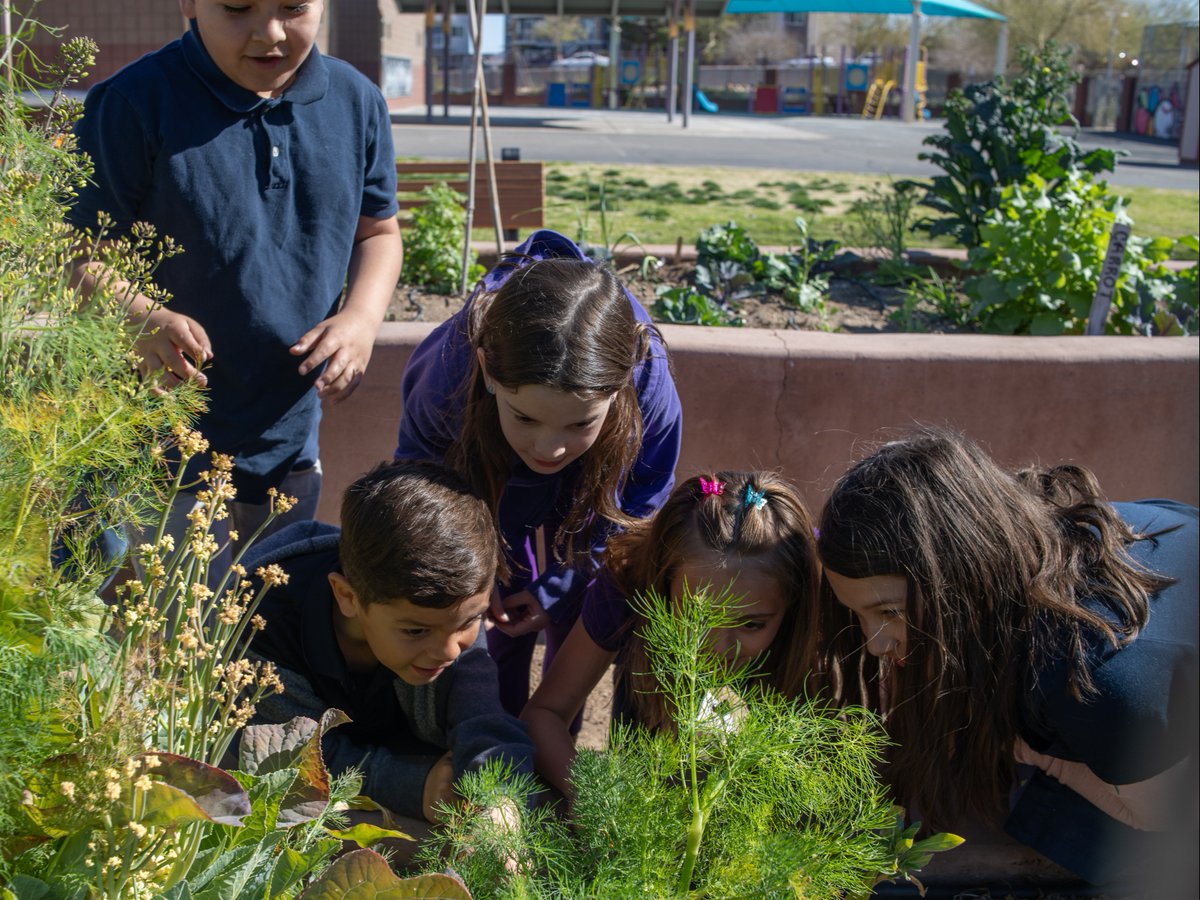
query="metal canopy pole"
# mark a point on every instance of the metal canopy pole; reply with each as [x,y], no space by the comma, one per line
[614,50]
[447,10]
[429,15]
[1002,51]
[673,61]
[689,26]
[908,103]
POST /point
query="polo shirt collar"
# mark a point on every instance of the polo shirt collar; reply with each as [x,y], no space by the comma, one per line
[318,637]
[310,84]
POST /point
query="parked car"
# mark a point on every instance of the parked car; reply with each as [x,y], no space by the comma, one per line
[581,59]
[808,62]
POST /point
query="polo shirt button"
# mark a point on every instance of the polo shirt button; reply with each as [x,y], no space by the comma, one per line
[274,151]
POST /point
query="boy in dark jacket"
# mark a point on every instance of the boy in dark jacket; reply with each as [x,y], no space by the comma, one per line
[382,620]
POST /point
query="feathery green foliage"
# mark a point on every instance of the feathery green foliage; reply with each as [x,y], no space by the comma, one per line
[750,794]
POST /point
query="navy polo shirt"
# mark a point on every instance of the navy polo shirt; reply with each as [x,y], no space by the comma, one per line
[264,196]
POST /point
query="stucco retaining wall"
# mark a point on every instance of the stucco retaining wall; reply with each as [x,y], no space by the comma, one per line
[808,403]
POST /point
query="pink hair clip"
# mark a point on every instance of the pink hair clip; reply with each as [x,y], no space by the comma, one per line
[711,487]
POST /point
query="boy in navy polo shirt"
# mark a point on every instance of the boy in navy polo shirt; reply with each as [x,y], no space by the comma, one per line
[384,621]
[272,166]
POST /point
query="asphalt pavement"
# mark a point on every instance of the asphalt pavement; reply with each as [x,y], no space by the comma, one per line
[799,143]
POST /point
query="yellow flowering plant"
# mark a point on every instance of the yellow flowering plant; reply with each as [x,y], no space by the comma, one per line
[115,717]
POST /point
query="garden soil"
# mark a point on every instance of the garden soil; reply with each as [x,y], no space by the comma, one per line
[853,304]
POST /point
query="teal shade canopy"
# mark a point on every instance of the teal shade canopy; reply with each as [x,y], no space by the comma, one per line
[956,8]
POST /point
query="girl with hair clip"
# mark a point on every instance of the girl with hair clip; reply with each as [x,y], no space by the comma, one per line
[749,531]
[1031,647]
[550,391]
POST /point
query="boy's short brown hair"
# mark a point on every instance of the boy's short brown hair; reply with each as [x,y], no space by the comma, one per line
[414,530]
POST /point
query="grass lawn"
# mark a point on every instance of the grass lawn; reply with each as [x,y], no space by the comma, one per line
[659,204]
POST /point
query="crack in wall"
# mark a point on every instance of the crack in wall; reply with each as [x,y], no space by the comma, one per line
[779,398]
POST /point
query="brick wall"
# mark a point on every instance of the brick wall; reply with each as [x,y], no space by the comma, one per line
[124,29]
[128,29]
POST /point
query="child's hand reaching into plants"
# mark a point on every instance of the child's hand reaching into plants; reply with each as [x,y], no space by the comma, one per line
[175,345]
[518,614]
[439,789]
[507,818]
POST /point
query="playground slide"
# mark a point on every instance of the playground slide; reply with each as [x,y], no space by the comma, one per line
[703,102]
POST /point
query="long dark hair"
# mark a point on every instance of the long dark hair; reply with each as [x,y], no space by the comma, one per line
[693,523]
[566,324]
[998,565]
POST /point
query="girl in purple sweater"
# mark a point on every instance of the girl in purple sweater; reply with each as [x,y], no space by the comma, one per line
[550,391]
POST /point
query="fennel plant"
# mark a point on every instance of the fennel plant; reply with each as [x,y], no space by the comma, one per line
[749,795]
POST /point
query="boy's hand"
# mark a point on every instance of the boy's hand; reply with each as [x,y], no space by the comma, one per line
[506,817]
[343,342]
[173,343]
[518,614]
[439,788]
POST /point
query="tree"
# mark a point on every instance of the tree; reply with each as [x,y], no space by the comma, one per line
[558,30]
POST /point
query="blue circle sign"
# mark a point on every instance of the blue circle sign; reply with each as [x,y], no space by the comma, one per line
[856,76]
[631,71]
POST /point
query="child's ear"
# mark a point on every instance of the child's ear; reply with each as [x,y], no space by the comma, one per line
[347,600]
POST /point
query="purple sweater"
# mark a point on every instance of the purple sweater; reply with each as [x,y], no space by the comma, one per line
[433,407]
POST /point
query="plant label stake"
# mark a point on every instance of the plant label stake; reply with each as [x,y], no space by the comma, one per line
[1117,239]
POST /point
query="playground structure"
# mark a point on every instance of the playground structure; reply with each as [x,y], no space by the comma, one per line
[846,82]
[619,85]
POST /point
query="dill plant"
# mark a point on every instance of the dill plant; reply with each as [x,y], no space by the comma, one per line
[113,719]
[749,795]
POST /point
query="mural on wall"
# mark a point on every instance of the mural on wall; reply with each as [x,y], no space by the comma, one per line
[1158,111]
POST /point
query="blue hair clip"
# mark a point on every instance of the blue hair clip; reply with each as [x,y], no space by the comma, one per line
[757,499]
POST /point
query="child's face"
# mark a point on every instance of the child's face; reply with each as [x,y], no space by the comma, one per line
[259,44]
[880,604]
[416,642]
[760,612]
[547,428]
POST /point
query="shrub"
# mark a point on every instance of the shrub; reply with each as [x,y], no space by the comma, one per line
[730,267]
[1041,257]
[433,243]
[999,133]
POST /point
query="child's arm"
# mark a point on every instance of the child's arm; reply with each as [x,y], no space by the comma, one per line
[577,668]
[477,727]
[168,341]
[344,341]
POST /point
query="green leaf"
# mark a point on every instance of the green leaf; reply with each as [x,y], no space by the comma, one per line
[190,791]
[365,875]
[365,834]
[1047,324]
[937,843]
[26,887]
[291,866]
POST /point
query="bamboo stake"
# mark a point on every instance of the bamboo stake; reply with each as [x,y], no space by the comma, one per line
[489,154]
[466,250]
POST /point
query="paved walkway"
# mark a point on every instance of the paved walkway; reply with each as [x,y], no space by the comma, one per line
[800,143]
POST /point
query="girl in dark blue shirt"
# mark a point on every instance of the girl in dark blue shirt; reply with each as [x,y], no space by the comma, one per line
[1031,647]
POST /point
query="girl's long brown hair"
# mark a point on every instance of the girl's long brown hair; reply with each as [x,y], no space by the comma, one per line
[566,324]
[693,523]
[998,566]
